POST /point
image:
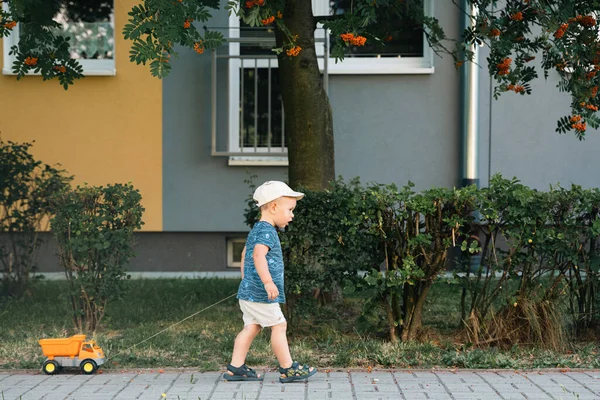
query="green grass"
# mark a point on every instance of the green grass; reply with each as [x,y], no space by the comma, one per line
[331,337]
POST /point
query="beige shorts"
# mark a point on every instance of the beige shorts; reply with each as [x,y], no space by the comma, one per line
[263,314]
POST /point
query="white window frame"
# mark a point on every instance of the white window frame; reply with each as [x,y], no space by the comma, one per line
[90,67]
[376,65]
[230,255]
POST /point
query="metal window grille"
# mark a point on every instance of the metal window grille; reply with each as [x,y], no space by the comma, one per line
[261,117]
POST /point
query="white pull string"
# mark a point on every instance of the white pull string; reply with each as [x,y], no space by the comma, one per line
[169,327]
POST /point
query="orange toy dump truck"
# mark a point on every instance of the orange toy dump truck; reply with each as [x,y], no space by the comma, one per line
[71,352]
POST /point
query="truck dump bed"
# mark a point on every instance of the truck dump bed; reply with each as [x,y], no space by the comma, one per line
[62,347]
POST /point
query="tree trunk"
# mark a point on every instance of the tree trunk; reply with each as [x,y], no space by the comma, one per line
[308,117]
[391,318]
[414,310]
[408,305]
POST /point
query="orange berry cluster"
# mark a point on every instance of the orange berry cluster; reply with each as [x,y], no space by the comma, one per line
[353,40]
[594,91]
[60,68]
[516,88]
[252,3]
[586,20]
[590,74]
[518,16]
[504,66]
[580,126]
[187,23]
[31,61]
[279,14]
[10,24]
[560,32]
[199,47]
[577,123]
[294,51]
[591,107]
[494,32]
[269,20]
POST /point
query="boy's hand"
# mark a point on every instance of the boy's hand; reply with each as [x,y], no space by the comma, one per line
[272,290]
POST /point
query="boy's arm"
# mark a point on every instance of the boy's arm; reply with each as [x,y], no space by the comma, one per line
[259,256]
[242,262]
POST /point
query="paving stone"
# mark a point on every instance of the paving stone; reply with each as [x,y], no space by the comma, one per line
[377,385]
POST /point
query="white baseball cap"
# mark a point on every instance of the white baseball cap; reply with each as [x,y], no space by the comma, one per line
[272,190]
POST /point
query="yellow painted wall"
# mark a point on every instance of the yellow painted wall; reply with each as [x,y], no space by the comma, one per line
[102,129]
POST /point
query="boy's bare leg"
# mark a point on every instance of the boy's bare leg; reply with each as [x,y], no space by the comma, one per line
[280,346]
[242,344]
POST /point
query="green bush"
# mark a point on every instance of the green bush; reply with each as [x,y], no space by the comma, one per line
[25,187]
[416,232]
[536,247]
[94,229]
[527,260]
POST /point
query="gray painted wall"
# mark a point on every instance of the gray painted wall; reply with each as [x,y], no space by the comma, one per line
[160,251]
[200,192]
[388,128]
[397,128]
[524,143]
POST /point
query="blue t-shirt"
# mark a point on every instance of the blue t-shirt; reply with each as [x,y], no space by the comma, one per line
[252,288]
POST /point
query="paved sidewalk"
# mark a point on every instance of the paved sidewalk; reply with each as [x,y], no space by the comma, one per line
[353,385]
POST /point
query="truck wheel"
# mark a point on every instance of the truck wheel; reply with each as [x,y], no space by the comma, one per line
[51,367]
[88,367]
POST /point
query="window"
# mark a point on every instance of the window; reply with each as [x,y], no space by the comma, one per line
[262,109]
[234,252]
[90,26]
[256,107]
[405,49]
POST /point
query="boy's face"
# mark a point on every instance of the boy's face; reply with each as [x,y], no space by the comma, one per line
[282,211]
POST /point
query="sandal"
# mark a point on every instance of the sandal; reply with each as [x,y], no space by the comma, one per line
[296,372]
[242,373]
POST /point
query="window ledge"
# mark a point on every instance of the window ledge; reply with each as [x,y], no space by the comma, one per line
[382,71]
[373,66]
[86,72]
[258,161]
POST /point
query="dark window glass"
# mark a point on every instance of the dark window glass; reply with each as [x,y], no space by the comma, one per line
[400,37]
[237,248]
[88,23]
[260,136]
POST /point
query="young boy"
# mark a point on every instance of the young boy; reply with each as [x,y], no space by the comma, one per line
[261,289]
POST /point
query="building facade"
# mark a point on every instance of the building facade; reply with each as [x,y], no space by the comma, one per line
[190,142]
